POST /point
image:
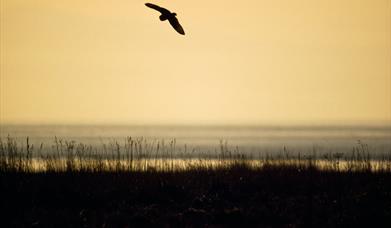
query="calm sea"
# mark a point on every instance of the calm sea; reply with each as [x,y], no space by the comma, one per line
[249,140]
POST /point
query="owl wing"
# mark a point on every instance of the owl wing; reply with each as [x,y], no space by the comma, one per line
[175,24]
[158,8]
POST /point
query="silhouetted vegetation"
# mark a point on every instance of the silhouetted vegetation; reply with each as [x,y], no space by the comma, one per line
[140,184]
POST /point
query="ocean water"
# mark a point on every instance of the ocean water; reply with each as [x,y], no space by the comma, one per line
[253,141]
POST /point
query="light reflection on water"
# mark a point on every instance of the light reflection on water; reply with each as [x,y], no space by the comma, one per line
[191,139]
[39,165]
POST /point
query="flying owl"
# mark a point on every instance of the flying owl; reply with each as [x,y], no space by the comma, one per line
[167,15]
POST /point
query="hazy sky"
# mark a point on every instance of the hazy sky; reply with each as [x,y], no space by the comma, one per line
[241,62]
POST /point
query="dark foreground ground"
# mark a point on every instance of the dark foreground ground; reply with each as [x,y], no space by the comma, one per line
[234,197]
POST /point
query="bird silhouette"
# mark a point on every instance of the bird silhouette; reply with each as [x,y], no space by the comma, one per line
[167,15]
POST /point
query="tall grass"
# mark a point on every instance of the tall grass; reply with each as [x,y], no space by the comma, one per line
[139,154]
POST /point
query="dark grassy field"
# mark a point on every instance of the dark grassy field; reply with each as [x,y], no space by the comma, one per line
[273,196]
[75,187]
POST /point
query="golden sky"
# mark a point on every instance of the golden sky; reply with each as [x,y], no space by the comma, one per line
[241,62]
